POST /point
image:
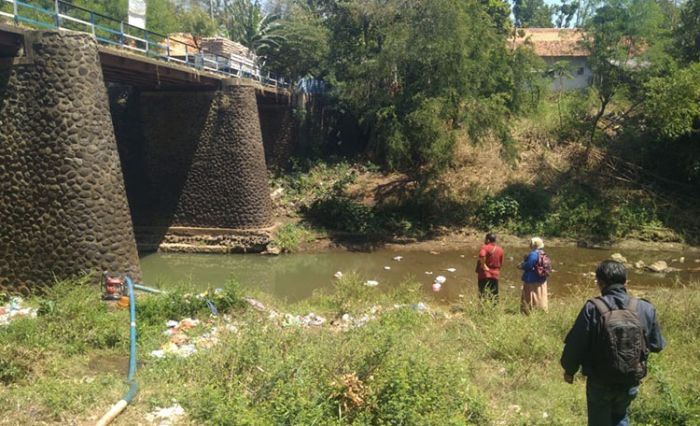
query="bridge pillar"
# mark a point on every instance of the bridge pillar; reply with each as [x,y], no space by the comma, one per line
[63,207]
[226,185]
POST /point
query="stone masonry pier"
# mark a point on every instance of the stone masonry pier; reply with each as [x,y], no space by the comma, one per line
[85,162]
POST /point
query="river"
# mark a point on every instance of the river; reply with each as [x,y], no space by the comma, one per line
[295,277]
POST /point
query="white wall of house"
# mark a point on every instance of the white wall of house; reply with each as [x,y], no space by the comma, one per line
[581,75]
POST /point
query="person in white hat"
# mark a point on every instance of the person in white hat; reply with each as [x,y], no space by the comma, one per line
[534,293]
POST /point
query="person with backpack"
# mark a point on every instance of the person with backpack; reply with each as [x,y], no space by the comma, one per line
[488,267]
[536,268]
[610,341]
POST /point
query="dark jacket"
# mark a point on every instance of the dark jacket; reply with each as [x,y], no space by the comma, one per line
[579,342]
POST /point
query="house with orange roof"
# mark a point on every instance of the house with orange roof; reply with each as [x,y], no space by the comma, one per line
[559,44]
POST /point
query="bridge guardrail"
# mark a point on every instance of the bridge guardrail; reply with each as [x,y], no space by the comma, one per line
[110,31]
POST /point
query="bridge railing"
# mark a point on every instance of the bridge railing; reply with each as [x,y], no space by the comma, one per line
[63,15]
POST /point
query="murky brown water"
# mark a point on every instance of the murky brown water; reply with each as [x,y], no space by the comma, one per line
[295,277]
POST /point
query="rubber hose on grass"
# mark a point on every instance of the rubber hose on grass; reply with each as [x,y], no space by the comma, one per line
[133,386]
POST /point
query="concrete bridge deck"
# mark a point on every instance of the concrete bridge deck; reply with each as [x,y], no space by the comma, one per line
[125,67]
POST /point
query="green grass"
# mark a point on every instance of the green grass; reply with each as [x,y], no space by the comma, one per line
[465,364]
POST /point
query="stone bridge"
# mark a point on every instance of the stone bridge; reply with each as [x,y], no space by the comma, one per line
[103,152]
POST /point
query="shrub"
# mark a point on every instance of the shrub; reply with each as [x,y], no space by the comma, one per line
[180,303]
[498,211]
[289,236]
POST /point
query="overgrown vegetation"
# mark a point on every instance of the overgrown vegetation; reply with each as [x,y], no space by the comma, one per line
[408,364]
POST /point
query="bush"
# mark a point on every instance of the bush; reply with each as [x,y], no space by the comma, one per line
[343,214]
[498,211]
[289,236]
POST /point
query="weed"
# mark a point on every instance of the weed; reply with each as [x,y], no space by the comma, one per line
[483,365]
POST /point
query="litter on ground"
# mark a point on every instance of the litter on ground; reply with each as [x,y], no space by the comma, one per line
[451,270]
[398,258]
[310,320]
[13,309]
[183,345]
[338,274]
[371,283]
[255,304]
[166,416]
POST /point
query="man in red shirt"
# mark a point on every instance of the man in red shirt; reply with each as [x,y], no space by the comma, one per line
[488,267]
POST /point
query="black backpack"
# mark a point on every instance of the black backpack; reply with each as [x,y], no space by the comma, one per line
[620,352]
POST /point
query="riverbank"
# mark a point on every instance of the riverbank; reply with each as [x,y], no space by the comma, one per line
[468,239]
[566,192]
[364,357]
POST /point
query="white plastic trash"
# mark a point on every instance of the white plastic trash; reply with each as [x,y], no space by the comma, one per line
[371,283]
[440,279]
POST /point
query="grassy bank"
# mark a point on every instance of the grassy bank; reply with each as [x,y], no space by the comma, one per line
[388,362]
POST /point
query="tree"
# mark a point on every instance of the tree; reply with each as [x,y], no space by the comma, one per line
[249,25]
[687,33]
[565,13]
[672,103]
[620,38]
[418,73]
[560,70]
[532,14]
[303,46]
[199,23]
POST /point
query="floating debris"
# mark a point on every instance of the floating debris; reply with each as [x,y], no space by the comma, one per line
[451,270]
[338,275]
[428,272]
[440,279]
[436,286]
[371,283]
[387,268]
[398,258]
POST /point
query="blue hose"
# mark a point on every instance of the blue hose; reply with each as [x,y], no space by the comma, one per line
[147,289]
[134,387]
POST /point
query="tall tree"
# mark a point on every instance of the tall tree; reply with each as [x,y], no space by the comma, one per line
[417,73]
[621,37]
[532,14]
[688,32]
[252,27]
[303,46]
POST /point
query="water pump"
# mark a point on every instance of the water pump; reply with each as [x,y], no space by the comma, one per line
[112,287]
